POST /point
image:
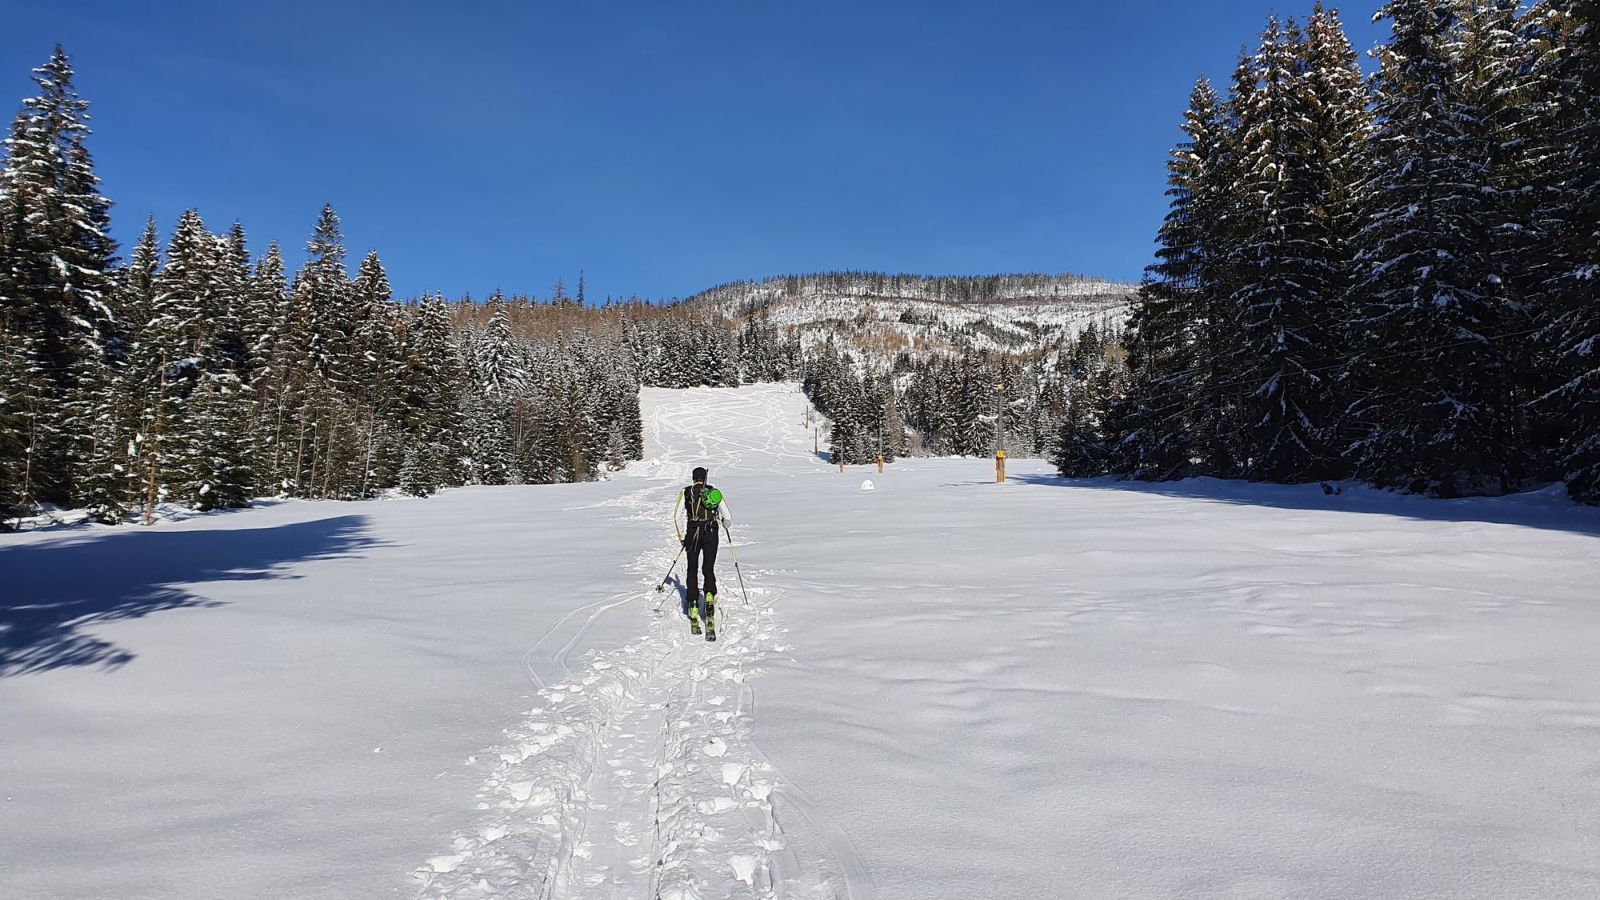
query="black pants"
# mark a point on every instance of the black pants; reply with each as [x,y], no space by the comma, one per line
[701,544]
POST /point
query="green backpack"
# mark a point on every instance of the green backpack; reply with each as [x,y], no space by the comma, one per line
[701,502]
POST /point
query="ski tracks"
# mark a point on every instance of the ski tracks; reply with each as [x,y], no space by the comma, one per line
[637,774]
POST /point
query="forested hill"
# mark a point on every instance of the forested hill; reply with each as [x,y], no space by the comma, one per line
[748,297]
[881,315]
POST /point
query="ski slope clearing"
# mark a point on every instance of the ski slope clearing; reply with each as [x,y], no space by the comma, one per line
[940,688]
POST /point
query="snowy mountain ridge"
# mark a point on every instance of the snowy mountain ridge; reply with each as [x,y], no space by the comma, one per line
[882,315]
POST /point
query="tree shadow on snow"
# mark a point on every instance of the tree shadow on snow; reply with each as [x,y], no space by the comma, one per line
[1546,509]
[56,591]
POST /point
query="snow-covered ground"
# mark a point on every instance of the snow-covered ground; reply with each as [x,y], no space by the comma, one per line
[941,688]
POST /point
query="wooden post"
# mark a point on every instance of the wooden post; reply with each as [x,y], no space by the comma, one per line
[880,463]
[999,467]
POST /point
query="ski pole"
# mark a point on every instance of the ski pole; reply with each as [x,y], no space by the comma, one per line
[668,577]
[662,585]
[729,532]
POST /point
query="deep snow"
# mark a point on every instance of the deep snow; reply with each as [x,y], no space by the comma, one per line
[942,687]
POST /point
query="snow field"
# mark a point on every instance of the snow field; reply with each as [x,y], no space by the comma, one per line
[941,688]
[637,775]
[1054,689]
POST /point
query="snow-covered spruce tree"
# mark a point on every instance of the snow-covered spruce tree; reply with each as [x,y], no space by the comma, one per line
[428,393]
[1182,328]
[756,352]
[232,319]
[327,446]
[1081,452]
[110,484]
[220,465]
[844,416]
[545,456]
[949,413]
[974,408]
[1568,71]
[1144,438]
[628,425]
[326,286]
[282,336]
[1047,403]
[1431,362]
[169,364]
[486,433]
[496,360]
[375,364]
[55,285]
[597,404]
[895,439]
[577,395]
[564,405]
[1287,270]
[1492,63]
[1012,402]
[1339,120]
[494,379]
[24,417]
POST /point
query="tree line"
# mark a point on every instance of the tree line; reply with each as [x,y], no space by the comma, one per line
[1392,279]
[203,375]
[969,403]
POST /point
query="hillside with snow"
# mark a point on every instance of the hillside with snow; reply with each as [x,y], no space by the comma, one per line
[882,315]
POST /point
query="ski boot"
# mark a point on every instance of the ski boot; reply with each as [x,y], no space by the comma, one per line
[694,617]
[711,616]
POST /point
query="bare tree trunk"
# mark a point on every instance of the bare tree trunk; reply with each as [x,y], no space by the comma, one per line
[27,466]
[300,456]
[366,465]
[277,432]
[152,489]
[328,466]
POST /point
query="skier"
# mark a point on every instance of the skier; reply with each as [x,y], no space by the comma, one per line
[704,512]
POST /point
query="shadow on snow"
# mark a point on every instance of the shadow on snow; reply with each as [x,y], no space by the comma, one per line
[56,591]
[1547,509]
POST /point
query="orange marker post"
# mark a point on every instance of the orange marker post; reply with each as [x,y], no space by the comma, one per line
[999,467]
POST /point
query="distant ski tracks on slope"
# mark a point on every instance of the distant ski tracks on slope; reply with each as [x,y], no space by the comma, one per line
[638,774]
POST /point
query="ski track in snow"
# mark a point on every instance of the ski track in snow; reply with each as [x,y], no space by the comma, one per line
[637,774]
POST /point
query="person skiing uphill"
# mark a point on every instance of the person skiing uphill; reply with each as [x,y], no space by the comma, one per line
[704,513]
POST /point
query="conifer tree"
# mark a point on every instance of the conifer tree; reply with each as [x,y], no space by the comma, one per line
[171,363]
[1287,270]
[1568,69]
[282,338]
[109,487]
[1431,359]
[55,285]
[1182,329]
[1081,452]
[429,390]
[1145,440]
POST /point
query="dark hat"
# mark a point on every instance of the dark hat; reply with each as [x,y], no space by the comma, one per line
[699,473]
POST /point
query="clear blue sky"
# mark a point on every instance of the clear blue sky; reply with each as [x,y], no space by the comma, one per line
[663,147]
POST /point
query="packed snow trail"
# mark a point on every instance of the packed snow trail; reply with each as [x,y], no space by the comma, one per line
[637,774]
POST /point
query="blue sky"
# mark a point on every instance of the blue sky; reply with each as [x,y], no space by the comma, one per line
[661,147]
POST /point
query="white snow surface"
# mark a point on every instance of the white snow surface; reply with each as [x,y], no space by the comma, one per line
[940,688]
